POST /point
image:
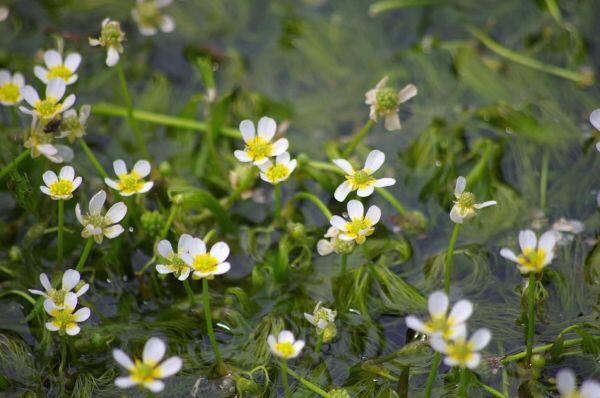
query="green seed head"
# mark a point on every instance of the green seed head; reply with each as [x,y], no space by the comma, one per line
[387,99]
[339,393]
[152,222]
[466,200]
[111,34]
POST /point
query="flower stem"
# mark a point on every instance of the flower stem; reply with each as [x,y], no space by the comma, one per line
[209,325]
[6,169]
[462,386]
[530,315]
[358,138]
[190,292]
[128,103]
[543,348]
[544,179]
[319,342]
[312,387]
[448,259]
[278,203]
[344,263]
[284,379]
[316,201]
[84,255]
[437,358]
[61,221]
[92,157]
[63,363]
[167,226]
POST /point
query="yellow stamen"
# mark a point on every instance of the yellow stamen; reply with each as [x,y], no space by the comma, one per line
[354,228]
[259,148]
[461,351]
[144,372]
[130,183]
[532,259]
[59,71]
[47,108]
[286,349]
[360,179]
[205,263]
[10,93]
[277,172]
[61,188]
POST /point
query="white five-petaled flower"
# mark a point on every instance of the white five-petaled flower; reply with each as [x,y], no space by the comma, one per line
[285,345]
[360,225]
[10,87]
[73,125]
[447,325]
[65,318]
[47,108]
[60,187]
[464,205]
[259,147]
[176,263]
[207,264]
[333,243]
[133,182]
[279,171]
[460,351]
[148,371]
[362,180]
[384,102]
[97,225]
[567,386]
[111,37]
[56,68]
[147,14]
[535,255]
[70,280]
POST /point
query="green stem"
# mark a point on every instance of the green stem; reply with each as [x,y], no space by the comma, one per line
[544,179]
[61,221]
[344,263]
[284,379]
[129,105]
[278,203]
[462,387]
[448,259]
[92,157]
[16,120]
[492,390]
[358,138]
[437,358]
[167,226]
[63,363]
[209,325]
[208,236]
[190,292]
[84,255]
[6,169]
[543,348]
[530,315]
[312,387]
[316,201]
[319,342]
[392,200]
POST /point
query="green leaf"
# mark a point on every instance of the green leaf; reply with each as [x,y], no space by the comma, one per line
[199,198]
[388,5]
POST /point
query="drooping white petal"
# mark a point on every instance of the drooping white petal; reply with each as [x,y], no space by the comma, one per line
[342,191]
[374,161]
[455,215]
[220,251]
[437,303]
[266,128]
[356,209]
[324,247]
[112,56]
[142,167]
[344,165]
[473,361]
[392,122]
[509,255]
[154,350]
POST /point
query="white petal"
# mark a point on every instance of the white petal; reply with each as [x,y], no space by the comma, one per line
[342,191]
[68,102]
[437,303]
[384,182]
[120,167]
[51,326]
[4,76]
[154,350]
[41,73]
[461,311]
[590,389]
[82,314]
[142,167]
[72,61]
[170,367]
[111,183]
[374,161]
[280,146]
[73,330]
[266,128]
[56,88]
[45,282]
[154,386]
[37,292]
[527,240]
[455,215]
[116,213]
[77,182]
[67,173]
[565,381]
[163,269]
[272,341]
[547,241]
[595,119]
[247,130]
[344,165]
[70,279]
[197,247]
[113,231]
[407,93]
[45,190]
[124,382]
[97,202]
[165,248]
[183,245]
[392,122]
[49,305]
[473,362]
[485,204]
[146,187]
[70,300]
[283,158]
[82,290]
[415,323]
[49,177]
[324,247]
[30,95]
[167,24]
[480,339]
[242,156]
[364,192]
[18,79]
[64,154]
[373,214]
[438,344]
[285,336]
[112,56]
[509,255]
[52,58]
[298,346]
[185,272]
[338,222]
[222,269]
[356,209]
[220,251]
[461,184]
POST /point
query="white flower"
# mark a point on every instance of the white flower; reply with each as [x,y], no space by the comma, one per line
[464,205]
[535,255]
[362,180]
[147,14]
[566,385]
[333,243]
[110,38]
[385,101]
[278,171]
[57,69]
[207,264]
[47,108]
[321,316]
[447,325]
[566,230]
[259,148]
[149,370]
[64,319]
[73,125]
[285,345]
[359,226]
[133,182]
[10,87]
[97,225]
[460,351]
[60,187]
[70,280]
[176,263]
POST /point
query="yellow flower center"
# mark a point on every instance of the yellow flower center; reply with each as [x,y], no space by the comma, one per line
[57,296]
[259,148]
[10,93]
[63,318]
[286,349]
[205,263]
[439,324]
[466,200]
[360,179]
[354,228]
[61,188]
[532,259]
[143,372]
[47,108]
[130,183]
[59,71]
[277,172]
[461,352]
